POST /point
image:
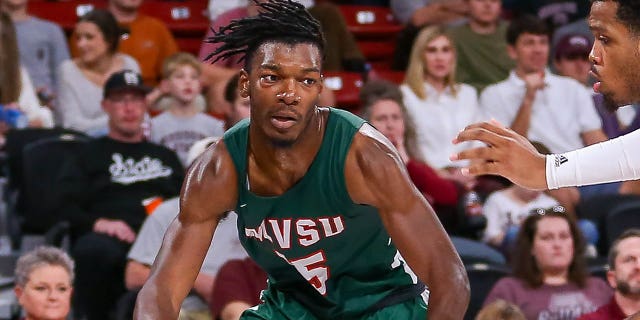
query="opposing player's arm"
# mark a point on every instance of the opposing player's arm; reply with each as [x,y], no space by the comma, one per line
[209,191]
[376,176]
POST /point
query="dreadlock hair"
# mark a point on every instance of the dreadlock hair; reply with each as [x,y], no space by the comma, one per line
[284,21]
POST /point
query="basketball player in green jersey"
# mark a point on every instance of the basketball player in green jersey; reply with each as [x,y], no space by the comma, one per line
[324,203]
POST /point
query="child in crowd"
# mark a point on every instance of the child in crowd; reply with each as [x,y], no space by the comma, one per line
[182,124]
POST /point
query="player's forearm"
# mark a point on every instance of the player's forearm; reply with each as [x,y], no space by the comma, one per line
[448,283]
[154,304]
[434,261]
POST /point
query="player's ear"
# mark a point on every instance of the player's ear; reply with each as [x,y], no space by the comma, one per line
[243,83]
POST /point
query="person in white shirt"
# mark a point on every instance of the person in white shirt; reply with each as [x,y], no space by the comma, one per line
[556,111]
[438,105]
[617,71]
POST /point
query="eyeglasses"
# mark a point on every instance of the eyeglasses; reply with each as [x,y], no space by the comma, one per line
[543,211]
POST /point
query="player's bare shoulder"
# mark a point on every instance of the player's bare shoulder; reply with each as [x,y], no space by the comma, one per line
[211,186]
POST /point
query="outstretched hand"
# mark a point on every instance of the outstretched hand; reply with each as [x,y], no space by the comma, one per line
[506,153]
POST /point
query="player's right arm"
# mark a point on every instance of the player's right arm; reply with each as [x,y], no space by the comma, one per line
[209,191]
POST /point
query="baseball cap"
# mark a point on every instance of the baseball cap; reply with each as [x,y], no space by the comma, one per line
[124,80]
[573,45]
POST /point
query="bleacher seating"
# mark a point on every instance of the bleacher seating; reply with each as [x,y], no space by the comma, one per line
[64,13]
[482,277]
[187,20]
[375,30]
[346,87]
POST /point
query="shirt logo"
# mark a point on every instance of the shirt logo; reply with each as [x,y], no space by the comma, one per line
[128,171]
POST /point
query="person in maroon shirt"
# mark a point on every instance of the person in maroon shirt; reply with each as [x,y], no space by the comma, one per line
[624,278]
[384,109]
[237,288]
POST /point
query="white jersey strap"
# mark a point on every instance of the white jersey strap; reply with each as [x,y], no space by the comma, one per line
[614,160]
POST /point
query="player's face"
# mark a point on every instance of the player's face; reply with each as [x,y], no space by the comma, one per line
[626,276]
[284,84]
[531,52]
[387,117]
[616,56]
[439,58]
[553,245]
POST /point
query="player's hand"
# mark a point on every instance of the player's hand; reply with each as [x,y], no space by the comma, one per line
[506,153]
[115,228]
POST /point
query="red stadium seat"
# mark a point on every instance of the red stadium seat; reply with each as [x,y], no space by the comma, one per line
[183,18]
[370,21]
[396,77]
[346,87]
[64,13]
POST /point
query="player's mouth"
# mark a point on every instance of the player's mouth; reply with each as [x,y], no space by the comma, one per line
[596,76]
[283,121]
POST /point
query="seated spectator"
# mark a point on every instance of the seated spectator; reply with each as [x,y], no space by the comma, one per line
[96,36]
[183,124]
[481,46]
[384,109]
[571,58]
[550,280]
[240,106]
[44,283]
[237,288]
[555,111]
[506,209]
[104,190]
[500,310]
[341,51]
[16,88]
[417,14]
[439,105]
[623,276]
[43,47]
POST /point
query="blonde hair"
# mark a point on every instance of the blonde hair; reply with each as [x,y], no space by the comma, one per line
[500,310]
[414,77]
[173,62]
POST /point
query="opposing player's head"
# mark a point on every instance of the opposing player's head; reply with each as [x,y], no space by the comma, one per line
[616,50]
[282,48]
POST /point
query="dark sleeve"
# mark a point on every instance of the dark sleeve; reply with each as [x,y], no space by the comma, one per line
[427,180]
[75,191]
[177,176]
[234,282]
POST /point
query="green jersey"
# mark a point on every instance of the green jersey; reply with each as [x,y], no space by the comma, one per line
[319,248]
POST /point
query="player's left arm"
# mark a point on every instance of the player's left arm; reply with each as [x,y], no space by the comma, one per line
[376,175]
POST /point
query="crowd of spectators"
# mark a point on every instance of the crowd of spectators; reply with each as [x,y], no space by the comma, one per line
[148,109]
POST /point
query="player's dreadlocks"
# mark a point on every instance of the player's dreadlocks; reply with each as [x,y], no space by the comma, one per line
[283,21]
